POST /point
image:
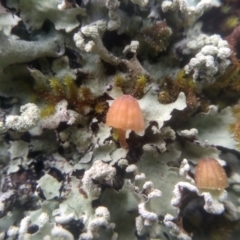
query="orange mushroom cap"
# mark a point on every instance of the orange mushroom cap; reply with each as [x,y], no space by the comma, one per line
[125,113]
[210,174]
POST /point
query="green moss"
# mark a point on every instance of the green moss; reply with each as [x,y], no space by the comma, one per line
[170,90]
[231,22]
[118,81]
[86,94]
[157,36]
[172,87]
[139,86]
[56,86]
[225,9]
[71,89]
[230,80]
[100,107]
[79,99]
[47,111]
[115,135]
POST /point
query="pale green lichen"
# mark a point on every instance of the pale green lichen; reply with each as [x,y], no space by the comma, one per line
[213,127]
[34,13]
[62,64]
[18,51]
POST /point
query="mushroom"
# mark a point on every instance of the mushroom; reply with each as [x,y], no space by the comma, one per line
[125,114]
[210,175]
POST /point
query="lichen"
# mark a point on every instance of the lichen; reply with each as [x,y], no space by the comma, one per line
[63,172]
[28,119]
[235,126]
[48,10]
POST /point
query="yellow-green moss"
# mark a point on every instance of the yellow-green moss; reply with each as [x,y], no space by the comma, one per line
[115,135]
[79,99]
[140,84]
[47,111]
[172,87]
[118,81]
[86,94]
[71,89]
[170,90]
[164,97]
[100,107]
[184,83]
[225,9]
[230,23]
[230,80]
[56,86]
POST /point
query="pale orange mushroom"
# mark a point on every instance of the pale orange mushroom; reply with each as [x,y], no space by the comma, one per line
[125,114]
[210,175]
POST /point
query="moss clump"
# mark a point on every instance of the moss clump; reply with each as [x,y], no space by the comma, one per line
[86,94]
[140,84]
[229,81]
[79,99]
[57,87]
[71,89]
[170,90]
[226,89]
[132,86]
[172,87]
[100,107]
[157,37]
[231,22]
[230,17]
[164,97]
[118,81]
[47,111]
[225,9]
[115,135]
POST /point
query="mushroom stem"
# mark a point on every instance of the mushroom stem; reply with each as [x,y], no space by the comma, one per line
[122,138]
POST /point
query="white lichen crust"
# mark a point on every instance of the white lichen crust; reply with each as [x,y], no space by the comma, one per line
[101,219]
[61,233]
[175,230]
[5,200]
[115,20]
[191,10]
[22,233]
[61,114]
[213,200]
[185,169]
[190,134]
[30,115]
[100,172]
[211,60]
[94,31]
[147,218]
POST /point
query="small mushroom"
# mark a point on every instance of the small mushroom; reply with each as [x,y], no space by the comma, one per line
[125,114]
[210,175]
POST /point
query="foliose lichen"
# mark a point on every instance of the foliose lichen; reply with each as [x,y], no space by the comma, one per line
[63,172]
